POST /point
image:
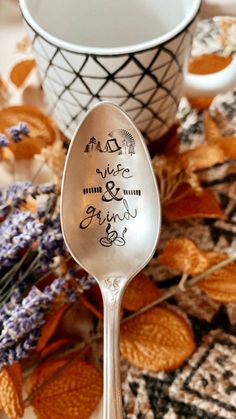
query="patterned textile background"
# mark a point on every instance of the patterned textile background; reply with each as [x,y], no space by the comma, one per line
[205,386]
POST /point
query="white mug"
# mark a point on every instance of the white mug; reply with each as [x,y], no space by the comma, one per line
[132,53]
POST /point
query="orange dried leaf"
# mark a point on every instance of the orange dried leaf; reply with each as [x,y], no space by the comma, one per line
[202,157]
[21,70]
[74,392]
[228,146]
[221,284]
[169,144]
[183,255]
[182,190]
[54,346]
[200,102]
[50,326]
[140,292]
[211,130]
[42,130]
[157,340]
[208,63]
[11,391]
[193,205]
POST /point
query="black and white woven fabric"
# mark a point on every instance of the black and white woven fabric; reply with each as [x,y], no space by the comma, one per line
[205,385]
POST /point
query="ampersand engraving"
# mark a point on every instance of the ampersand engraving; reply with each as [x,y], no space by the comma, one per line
[109,195]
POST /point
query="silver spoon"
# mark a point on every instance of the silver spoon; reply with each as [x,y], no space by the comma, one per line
[110,215]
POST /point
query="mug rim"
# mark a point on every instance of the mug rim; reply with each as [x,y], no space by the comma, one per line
[109,51]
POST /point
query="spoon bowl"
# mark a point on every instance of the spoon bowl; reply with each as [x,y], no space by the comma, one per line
[110,215]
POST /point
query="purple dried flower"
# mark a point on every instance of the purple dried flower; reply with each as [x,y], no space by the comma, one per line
[17,131]
[18,192]
[86,281]
[15,193]
[23,128]
[4,142]
[20,327]
[71,294]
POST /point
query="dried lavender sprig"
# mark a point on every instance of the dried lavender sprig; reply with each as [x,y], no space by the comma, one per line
[16,193]
[18,130]
[4,142]
[21,350]
[6,309]
[26,317]
[15,268]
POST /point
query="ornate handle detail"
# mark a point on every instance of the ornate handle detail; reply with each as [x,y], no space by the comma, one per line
[113,285]
[112,291]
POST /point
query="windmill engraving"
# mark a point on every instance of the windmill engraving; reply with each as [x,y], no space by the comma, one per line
[127,141]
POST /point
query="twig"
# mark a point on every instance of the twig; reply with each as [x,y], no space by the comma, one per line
[38,171]
[182,282]
[175,290]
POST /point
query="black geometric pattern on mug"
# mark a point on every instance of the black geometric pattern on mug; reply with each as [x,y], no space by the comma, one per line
[132,192]
[121,141]
[145,83]
[96,189]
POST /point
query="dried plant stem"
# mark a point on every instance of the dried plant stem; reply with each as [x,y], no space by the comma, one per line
[82,346]
[182,282]
[38,171]
[176,289]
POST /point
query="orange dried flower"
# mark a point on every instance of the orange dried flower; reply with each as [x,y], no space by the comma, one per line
[68,390]
[193,205]
[157,340]
[140,292]
[208,63]
[42,130]
[21,70]
[11,391]
[183,255]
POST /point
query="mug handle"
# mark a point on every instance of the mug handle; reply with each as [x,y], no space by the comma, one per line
[221,81]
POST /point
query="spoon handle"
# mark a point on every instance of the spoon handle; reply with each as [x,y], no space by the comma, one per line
[112,403]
